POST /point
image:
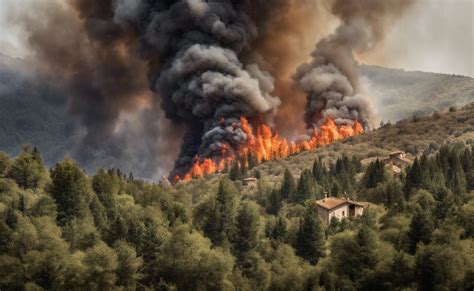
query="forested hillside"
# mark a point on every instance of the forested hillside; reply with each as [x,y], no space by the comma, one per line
[62,229]
[33,110]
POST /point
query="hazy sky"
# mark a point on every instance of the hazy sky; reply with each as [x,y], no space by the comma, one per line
[434,36]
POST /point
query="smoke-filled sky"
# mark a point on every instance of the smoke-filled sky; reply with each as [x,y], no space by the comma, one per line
[126,66]
[433,36]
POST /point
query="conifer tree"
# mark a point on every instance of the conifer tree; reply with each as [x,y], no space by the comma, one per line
[235,173]
[375,174]
[366,248]
[413,178]
[275,202]
[444,206]
[219,224]
[288,187]
[421,228]
[468,167]
[306,189]
[425,177]
[456,178]
[321,175]
[26,170]
[70,189]
[310,238]
[280,230]
[247,225]
[4,163]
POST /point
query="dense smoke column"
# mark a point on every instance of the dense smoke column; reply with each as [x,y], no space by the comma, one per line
[331,79]
[200,79]
[92,55]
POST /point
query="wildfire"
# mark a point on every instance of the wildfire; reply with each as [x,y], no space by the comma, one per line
[265,145]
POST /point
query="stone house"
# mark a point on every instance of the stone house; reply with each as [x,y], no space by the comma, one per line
[396,161]
[339,207]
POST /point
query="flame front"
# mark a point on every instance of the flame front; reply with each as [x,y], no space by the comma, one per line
[267,145]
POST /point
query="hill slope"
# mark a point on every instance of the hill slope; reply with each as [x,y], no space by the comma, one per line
[414,136]
[33,109]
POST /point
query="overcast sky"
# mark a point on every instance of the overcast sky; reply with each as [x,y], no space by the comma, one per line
[434,36]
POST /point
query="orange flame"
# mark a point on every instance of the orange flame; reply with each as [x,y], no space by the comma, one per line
[266,145]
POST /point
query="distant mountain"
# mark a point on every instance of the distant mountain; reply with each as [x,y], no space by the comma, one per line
[33,110]
[401,94]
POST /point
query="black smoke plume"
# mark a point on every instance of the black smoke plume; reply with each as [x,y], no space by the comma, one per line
[201,79]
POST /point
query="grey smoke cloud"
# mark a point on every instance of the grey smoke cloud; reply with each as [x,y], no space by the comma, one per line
[331,79]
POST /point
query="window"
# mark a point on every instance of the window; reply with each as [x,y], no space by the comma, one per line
[343,213]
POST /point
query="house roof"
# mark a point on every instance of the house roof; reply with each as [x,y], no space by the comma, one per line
[333,202]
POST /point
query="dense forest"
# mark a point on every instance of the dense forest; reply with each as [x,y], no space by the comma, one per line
[61,229]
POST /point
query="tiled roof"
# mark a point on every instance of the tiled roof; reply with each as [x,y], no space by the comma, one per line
[333,202]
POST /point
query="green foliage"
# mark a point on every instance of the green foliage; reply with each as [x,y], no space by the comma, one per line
[374,175]
[413,178]
[101,263]
[218,225]
[27,170]
[307,188]
[114,232]
[280,231]
[288,187]
[189,262]
[128,265]
[310,238]
[421,228]
[275,202]
[4,163]
[70,189]
[247,228]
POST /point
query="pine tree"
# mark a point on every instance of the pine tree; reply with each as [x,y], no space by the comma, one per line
[288,188]
[235,173]
[247,225]
[306,189]
[468,167]
[321,175]
[70,189]
[366,248]
[374,175]
[310,238]
[37,156]
[26,170]
[456,178]
[280,230]
[413,178]
[4,163]
[219,224]
[425,177]
[105,186]
[275,202]
[344,172]
[444,206]
[421,228]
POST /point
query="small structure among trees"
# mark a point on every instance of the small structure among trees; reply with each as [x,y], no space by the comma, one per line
[339,208]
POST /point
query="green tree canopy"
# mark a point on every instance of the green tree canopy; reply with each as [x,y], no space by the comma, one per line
[70,189]
[310,238]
